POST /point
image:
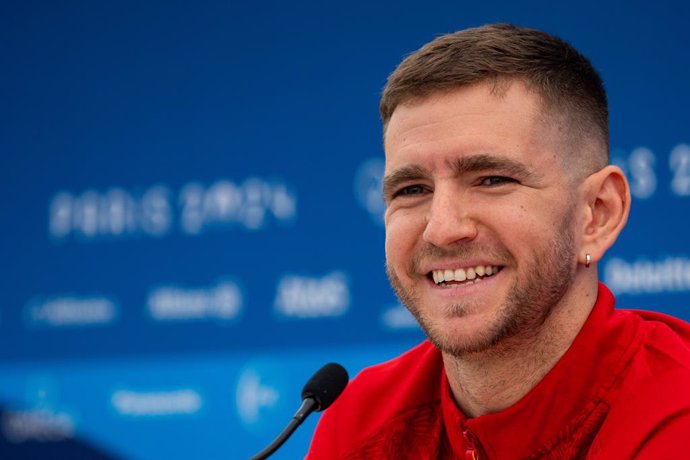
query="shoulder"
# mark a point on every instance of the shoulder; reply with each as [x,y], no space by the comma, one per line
[663,355]
[376,395]
[665,336]
[662,359]
[653,401]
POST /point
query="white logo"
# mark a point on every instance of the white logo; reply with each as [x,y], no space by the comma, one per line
[119,213]
[398,317]
[43,421]
[114,213]
[671,274]
[41,425]
[171,303]
[368,188]
[307,297]
[680,165]
[156,403]
[253,397]
[251,205]
[70,310]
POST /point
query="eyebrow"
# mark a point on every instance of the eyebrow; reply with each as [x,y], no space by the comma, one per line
[474,163]
[405,174]
[484,162]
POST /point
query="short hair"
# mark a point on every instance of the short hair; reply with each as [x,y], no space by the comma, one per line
[564,79]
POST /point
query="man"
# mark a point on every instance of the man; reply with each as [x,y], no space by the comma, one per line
[500,202]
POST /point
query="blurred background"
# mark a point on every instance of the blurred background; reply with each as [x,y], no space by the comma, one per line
[191,211]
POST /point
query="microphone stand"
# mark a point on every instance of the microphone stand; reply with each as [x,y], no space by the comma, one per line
[308,406]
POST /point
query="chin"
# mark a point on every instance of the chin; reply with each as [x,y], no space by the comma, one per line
[469,339]
[463,347]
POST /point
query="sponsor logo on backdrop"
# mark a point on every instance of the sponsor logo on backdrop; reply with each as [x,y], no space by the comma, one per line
[397,317]
[159,403]
[679,161]
[254,397]
[641,166]
[42,420]
[313,297]
[221,301]
[643,276]
[70,311]
[368,188]
[161,210]
[40,425]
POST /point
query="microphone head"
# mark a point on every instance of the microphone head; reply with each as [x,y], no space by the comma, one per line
[326,385]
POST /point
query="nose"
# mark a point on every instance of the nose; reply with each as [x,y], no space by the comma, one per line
[449,219]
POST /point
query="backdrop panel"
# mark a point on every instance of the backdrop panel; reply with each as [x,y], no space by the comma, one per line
[192,220]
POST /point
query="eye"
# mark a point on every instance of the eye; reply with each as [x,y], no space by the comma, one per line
[496,180]
[410,190]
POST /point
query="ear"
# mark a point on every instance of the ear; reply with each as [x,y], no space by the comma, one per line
[608,205]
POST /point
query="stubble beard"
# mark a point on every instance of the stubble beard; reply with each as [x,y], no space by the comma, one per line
[528,304]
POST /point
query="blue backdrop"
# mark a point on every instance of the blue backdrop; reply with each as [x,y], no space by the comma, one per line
[191,213]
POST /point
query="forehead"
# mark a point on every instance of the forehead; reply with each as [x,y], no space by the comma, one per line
[470,120]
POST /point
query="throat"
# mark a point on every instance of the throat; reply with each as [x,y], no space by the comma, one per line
[492,380]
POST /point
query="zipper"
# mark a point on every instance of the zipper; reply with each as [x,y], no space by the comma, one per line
[471,451]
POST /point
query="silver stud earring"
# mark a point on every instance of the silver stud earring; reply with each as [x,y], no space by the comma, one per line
[588,260]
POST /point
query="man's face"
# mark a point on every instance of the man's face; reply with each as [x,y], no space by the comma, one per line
[480,222]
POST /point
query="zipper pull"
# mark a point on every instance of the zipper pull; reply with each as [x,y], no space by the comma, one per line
[471,452]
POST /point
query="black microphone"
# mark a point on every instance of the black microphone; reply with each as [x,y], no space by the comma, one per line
[319,392]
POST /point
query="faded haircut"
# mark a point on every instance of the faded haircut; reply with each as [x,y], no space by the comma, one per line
[567,83]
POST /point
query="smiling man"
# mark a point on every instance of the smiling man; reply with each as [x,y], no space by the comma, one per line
[500,202]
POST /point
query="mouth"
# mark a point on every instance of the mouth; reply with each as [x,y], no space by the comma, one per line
[463,276]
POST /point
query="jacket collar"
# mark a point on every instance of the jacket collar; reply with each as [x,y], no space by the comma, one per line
[577,386]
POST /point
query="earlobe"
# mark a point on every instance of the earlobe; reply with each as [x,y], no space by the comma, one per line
[608,197]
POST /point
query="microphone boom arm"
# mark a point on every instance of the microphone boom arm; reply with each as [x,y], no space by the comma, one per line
[308,406]
[319,392]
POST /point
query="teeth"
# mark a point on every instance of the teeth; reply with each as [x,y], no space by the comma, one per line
[471,274]
[461,274]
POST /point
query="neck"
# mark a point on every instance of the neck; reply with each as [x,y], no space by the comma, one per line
[492,380]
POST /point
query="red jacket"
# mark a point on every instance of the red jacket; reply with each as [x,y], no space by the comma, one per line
[622,391]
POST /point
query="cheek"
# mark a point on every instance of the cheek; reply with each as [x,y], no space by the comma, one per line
[533,228]
[393,243]
[519,227]
[402,234]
